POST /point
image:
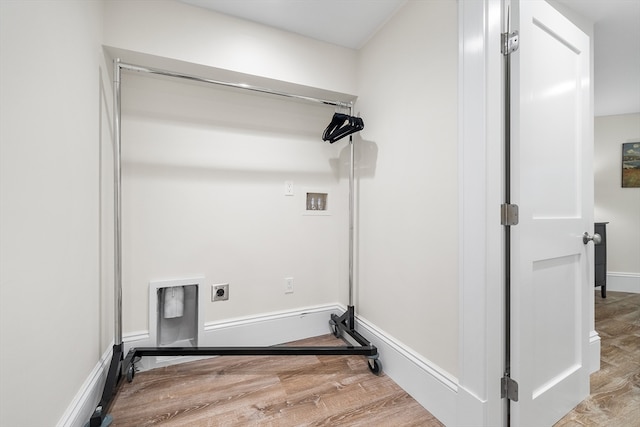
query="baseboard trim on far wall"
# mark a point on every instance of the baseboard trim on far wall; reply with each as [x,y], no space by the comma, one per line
[255,331]
[431,386]
[85,401]
[623,282]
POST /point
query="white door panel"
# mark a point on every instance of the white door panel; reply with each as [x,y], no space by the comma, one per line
[552,184]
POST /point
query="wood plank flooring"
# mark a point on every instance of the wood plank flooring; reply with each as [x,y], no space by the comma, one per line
[340,390]
[268,391]
[615,388]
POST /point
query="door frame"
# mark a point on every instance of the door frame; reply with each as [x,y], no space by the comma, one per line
[481,183]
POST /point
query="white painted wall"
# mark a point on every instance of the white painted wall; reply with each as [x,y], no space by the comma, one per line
[56,181]
[50,126]
[179,31]
[620,206]
[205,168]
[391,73]
[204,171]
[408,193]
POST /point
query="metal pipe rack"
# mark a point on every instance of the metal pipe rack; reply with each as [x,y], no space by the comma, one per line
[341,326]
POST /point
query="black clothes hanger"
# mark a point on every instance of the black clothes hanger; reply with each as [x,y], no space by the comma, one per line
[342,125]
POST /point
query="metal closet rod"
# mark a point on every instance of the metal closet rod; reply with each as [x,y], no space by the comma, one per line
[138,68]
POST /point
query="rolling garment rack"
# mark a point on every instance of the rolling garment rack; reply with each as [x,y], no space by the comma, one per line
[342,326]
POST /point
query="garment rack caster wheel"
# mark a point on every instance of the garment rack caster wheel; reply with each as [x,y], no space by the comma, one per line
[375,366]
[131,372]
[335,330]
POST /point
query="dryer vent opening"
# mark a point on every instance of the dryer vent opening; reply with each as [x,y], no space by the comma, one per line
[176,315]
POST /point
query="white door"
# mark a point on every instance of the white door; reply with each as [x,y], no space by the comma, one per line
[552,183]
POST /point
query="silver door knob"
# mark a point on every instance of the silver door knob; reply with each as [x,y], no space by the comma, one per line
[595,238]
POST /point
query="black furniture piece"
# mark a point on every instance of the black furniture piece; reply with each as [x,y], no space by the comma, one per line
[601,258]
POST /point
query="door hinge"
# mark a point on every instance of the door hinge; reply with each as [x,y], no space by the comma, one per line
[509,389]
[510,42]
[508,214]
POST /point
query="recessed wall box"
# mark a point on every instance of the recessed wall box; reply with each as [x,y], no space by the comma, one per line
[317,201]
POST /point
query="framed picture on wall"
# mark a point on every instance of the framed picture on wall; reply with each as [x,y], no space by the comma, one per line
[631,165]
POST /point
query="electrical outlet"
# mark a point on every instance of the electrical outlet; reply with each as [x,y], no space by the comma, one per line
[288,285]
[220,292]
[288,188]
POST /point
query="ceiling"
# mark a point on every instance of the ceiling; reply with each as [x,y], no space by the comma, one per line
[351,23]
[348,23]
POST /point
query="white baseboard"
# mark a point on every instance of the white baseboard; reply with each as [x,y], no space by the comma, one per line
[85,401]
[431,386]
[594,352]
[428,384]
[623,282]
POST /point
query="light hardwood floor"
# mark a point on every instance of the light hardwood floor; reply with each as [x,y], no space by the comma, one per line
[268,391]
[340,390]
[615,388]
